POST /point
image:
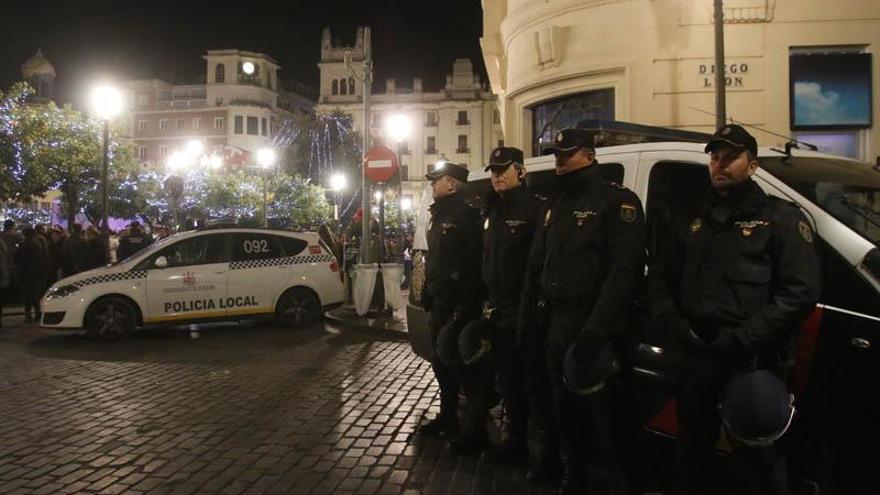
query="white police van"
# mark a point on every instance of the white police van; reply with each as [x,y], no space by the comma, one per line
[837,375]
[199,276]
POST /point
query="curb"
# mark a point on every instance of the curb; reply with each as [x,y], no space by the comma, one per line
[392,328]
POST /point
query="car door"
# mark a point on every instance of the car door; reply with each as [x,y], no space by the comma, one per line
[256,274]
[193,284]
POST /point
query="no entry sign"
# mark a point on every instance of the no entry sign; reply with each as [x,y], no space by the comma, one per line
[380,164]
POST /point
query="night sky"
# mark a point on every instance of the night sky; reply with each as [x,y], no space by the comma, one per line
[88,39]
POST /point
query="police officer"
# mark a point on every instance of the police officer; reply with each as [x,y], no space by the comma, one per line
[452,288]
[508,228]
[731,285]
[134,241]
[584,266]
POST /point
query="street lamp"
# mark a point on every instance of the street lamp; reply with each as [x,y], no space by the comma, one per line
[399,127]
[106,103]
[337,184]
[265,159]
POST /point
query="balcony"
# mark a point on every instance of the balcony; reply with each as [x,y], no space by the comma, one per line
[462,122]
[462,150]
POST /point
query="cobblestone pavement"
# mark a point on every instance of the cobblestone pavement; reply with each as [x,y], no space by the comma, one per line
[243,409]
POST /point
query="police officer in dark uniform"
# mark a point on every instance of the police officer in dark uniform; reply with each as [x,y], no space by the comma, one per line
[452,289]
[134,241]
[585,264]
[731,285]
[508,227]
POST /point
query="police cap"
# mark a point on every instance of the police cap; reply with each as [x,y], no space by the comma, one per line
[732,135]
[756,408]
[588,364]
[475,341]
[568,140]
[455,170]
[503,157]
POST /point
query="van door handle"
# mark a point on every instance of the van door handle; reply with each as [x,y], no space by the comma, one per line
[861,343]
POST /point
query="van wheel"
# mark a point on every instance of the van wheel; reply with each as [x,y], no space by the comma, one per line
[110,318]
[298,308]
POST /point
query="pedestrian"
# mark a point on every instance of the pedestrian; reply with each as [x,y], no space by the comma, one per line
[731,285]
[74,251]
[583,270]
[97,250]
[32,259]
[4,277]
[11,237]
[132,241]
[509,223]
[452,290]
[57,236]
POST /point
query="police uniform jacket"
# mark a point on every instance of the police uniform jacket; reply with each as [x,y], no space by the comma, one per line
[452,266]
[508,229]
[745,263]
[132,243]
[589,252]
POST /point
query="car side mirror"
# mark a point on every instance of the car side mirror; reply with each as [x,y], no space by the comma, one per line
[161,262]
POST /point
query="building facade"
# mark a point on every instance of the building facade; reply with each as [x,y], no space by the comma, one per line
[234,113]
[793,69]
[459,122]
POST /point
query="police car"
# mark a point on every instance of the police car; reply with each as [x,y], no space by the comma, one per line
[837,371]
[199,276]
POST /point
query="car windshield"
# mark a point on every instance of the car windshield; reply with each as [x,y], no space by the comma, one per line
[154,245]
[846,189]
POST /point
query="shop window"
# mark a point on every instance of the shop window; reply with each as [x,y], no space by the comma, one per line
[550,117]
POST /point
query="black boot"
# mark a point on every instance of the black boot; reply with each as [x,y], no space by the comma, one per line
[546,464]
[474,439]
[572,478]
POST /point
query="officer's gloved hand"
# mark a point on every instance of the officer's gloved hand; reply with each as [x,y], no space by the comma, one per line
[728,345]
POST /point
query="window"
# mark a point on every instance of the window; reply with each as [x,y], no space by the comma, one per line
[253,126]
[335,87]
[550,117]
[404,174]
[343,88]
[432,145]
[248,247]
[197,122]
[219,122]
[142,125]
[239,124]
[431,119]
[163,124]
[291,246]
[143,99]
[830,87]
[220,73]
[163,150]
[404,147]
[462,117]
[194,251]
[142,152]
[263,129]
[462,143]
[179,124]
[496,117]
[351,85]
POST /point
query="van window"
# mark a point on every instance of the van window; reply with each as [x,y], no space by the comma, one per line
[848,190]
[675,190]
[199,250]
[291,246]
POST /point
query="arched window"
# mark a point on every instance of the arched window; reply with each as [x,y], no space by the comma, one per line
[343,90]
[351,85]
[220,73]
[335,87]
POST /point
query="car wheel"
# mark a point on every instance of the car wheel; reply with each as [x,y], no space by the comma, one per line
[298,308]
[110,318]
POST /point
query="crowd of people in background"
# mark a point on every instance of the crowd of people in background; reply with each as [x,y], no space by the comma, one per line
[32,258]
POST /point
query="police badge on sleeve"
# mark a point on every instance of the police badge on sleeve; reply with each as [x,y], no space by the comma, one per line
[628,212]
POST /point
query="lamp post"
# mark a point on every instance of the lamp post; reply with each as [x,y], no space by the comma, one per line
[366,77]
[106,103]
[265,159]
[337,184]
[399,127]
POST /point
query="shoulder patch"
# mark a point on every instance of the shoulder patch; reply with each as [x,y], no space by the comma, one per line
[628,212]
[805,230]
